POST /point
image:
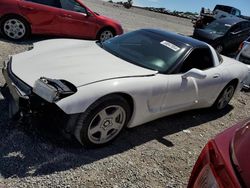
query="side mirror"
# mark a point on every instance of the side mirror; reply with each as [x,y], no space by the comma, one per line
[195,73]
[89,14]
[235,33]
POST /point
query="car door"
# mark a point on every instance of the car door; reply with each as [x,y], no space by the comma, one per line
[42,14]
[181,94]
[197,82]
[236,35]
[76,20]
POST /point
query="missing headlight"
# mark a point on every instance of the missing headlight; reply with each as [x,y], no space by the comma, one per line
[53,90]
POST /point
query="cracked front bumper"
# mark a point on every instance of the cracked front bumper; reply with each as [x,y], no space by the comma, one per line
[15,91]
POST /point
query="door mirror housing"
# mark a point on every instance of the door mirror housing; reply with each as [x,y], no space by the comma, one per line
[89,13]
[194,73]
[235,33]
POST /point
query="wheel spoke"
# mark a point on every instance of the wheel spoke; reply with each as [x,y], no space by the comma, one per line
[116,126]
[95,129]
[104,136]
[116,113]
[229,94]
[103,114]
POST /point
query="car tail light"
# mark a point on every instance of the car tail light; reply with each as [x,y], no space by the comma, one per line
[209,170]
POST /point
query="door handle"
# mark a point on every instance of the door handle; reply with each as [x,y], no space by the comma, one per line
[66,15]
[27,7]
[216,76]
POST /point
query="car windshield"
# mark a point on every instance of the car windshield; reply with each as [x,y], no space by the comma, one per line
[146,49]
[218,27]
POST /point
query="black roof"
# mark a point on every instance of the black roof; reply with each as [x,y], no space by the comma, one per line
[185,40]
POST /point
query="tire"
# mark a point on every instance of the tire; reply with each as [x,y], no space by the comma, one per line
[105,34]
[14,28]
[103,121]
[225,97]
[219,49]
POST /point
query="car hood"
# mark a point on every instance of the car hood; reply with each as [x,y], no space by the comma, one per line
[206,35]
[77,61]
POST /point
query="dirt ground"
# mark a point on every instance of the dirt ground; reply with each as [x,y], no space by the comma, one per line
[158,154]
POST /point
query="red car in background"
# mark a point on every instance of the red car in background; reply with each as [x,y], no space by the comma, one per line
[225,160]
[70,18]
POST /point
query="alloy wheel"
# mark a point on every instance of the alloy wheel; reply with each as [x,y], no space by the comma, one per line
[105,35]
[225,97]
[14,28]
[106,124]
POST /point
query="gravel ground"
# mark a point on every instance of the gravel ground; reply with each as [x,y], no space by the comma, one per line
[158,154]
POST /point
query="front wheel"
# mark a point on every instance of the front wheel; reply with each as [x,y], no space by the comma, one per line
[225,97]
[105,35]
[103,121]
[14,28]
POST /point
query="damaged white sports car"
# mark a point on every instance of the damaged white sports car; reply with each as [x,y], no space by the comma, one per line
[96,90]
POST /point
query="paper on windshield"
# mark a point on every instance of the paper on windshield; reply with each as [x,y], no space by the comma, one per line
[170,45]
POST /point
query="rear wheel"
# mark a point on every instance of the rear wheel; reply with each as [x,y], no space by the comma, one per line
[103,121]
[14,28]
[219,49]
[225,96]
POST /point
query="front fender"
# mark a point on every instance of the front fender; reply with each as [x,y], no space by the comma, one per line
[88,94]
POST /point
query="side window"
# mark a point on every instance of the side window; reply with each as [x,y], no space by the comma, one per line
[237,13]
[52,3]
[73,6]
[199,59]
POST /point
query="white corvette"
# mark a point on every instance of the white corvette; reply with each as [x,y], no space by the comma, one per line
[96,90]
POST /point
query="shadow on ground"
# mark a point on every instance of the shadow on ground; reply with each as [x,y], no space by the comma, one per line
[28,41]
[42,150]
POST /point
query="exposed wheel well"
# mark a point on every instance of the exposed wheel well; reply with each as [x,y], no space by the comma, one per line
[105,28]
[235,82]
[127,97]
[13,15]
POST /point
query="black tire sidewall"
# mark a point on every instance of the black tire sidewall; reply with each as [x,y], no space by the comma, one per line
[86,118]
[27,27]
